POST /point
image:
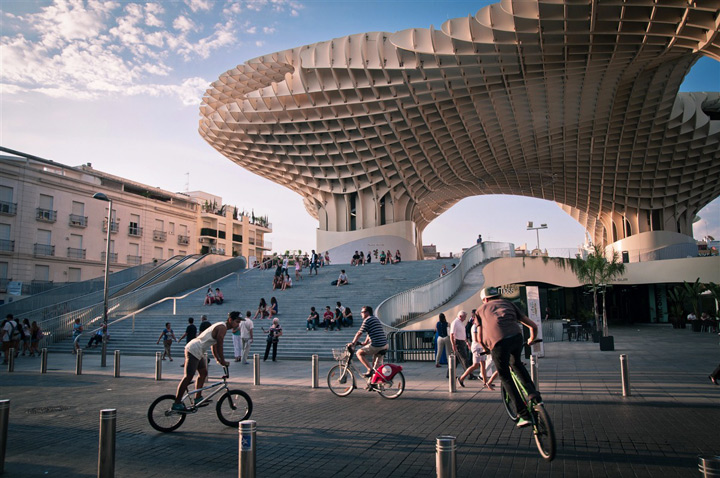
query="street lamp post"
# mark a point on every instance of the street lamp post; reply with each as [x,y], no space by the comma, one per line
[537,231]
[103,197]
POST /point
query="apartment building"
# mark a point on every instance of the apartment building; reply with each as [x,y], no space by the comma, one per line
[53,231]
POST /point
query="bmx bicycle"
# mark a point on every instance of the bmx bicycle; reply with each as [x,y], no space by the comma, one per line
[233,406]
[387,380]
[542,427]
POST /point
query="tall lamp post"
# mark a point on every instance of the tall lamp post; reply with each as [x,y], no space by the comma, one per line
[103,197]
[537,231]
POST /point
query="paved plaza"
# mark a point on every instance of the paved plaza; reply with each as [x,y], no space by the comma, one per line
[670,419]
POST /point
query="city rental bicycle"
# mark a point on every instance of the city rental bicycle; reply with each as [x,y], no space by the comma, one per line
[233,406]
[541,425]
[387,379]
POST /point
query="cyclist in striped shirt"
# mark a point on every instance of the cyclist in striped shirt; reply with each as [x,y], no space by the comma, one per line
[375,341]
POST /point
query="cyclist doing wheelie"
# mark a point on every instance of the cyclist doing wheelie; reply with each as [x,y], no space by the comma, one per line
[195,351]
[375,342]
[502,335]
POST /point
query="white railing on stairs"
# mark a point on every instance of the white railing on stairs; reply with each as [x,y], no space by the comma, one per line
[400,308]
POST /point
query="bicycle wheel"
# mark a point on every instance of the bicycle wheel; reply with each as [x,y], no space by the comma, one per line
[233,407]
[508,403]
[544,433]
[394,388]
[161,416]
[339,383]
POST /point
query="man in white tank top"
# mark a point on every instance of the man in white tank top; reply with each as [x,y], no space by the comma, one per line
[195,350]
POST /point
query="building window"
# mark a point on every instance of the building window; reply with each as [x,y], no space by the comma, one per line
[6,245]
[7,206]
[353,211]
[42,273]
[74,274]
[78,217]
[158,253]
[134,228]
[43,246]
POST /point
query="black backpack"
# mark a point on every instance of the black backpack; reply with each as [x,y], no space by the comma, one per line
[18,333]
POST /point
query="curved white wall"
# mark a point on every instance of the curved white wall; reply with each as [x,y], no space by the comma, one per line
[397,236]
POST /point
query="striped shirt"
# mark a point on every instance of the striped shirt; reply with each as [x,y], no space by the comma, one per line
[373,328]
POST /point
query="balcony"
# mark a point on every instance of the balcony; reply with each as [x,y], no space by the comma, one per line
[113,257]
[134,231]
[77,221]
[45,215]
[206,231]
[183,240]
[264,244]
[217,250]
[113,226]
[134,260]
[221,234]
[8,208]
[237,237]
[43,250]
[160,236]
[7,245]
[75,253]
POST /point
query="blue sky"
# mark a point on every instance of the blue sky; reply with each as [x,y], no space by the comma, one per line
[118,84]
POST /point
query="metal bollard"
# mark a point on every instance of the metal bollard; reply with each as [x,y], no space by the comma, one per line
[315,371]
[43,360]
[116,373]
[256,369]
[534,371]
[4,422]
[445,464]
[11,360]
[451,373]
[158,365]
[78,362]
[625,375]
[106,447]
[247,451]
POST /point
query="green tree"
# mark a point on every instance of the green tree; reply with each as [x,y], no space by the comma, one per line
[677,300]
[692,292]
[596,271]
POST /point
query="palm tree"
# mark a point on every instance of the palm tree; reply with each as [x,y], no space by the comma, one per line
[596,271]
[692,292]
[677,296]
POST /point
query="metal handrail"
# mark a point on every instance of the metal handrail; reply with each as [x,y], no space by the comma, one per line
[59,327]
[202,289]
[419,300]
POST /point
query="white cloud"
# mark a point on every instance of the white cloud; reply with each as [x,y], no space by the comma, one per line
[184,24]
[196,5]
[259,43]
[87,49]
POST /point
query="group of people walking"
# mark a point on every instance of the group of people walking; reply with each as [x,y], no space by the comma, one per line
[21,336]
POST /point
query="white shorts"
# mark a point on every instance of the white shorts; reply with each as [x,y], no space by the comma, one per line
[476,350]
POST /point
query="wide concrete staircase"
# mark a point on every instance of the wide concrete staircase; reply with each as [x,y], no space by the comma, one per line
[369,285]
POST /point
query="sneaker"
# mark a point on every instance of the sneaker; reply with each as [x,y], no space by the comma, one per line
[180,407]
[367,374]
[460,382]
[523,422]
